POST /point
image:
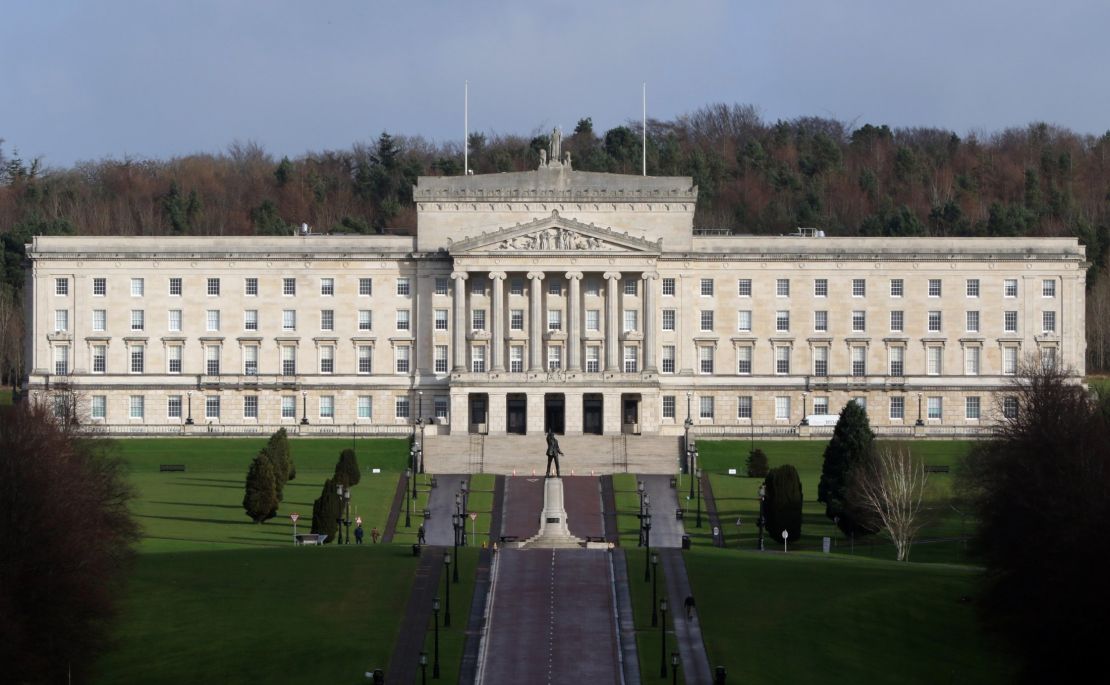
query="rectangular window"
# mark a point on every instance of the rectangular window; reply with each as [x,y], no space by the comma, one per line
[250,407]
[137,410]
[1009,360]
[1048,357]
[250,319]
[744,320]
[668,319]
[213,286]
[782,359]
[897,408]
[782,321]
[1048,322]
[593,359]
[443,285]
[705,407]
[1009,287]
[289,287]
[1009,407]
[934,322]
[668,407]
[1048,288]
[212,360]
[554,287]
[138,358]
[971,408]
[478,319]
[478,358]
[61,286]
[401,407]
[820,287]
[706,287]
[630,320]
[859,361]
[402,319]
[440,407]
[365,407]
[175,287]
[288,407]
[100,287]
[365,320]
[138,319]
[705,359]
[861,402]
[934,408]
[516,320]
[782,287]
[744,407]
[366,358]
[706,319]
[555,319]
[478,286]
[744,287]
[138,287]
[859,287]
[821,321]
[782,408]
[897,321]
[897,287]
[629,285]
[933,360]
[173,359]
[971,360]
[366,288]
[401,358]
[1009,321]
[173,407]
[744,360]
[820,361]
[250,289]
[327,406]
[61,320]
[554,357]
[934,287]
[859,321]
[897,361]
[288,360]
[593,319]
[212,320]
[100,358]
[516,358]
[403,286]
[61,361]
[250,360]
[289,319]
[668,359]
[327,359]
[327,287]
[441,359]
[821,406]
[516,286]
[327,319]
[973,287]
[441,319]
[668,286]
[630,359]
[972,318]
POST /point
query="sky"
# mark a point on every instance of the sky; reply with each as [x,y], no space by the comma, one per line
[155,79]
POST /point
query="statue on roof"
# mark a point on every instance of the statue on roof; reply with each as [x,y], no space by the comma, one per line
[556,145]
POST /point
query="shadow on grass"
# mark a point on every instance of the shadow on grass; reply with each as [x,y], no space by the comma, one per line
[193,520]
[210,485]
[213,480]
[200,504]
[206,540]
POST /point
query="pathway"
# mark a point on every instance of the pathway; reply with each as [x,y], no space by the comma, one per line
[399,495]
[476,622]
[582,501]
[405,661]
[441,504]
[687,632]
[666,529]
[716,530]
[522,507]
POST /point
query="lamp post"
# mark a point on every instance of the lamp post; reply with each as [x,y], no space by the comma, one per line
[692,465]
[640,492]
[674,668]
[647,547]
[698,523]
[805,421]
[435,663]
[412,458]
[654,582]
[189,421]
[456,522]
[687,425]
[663,638]
[919,421]
[304,407]
[423,668]
[347,515]
[408,503]
[339,518]
[447,585]
[761,521]
[420,451]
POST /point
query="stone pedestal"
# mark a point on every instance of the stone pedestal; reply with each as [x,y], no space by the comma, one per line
[553,520]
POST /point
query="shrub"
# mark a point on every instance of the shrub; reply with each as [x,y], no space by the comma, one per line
[757,464]
[261,499]
[346,470]
[783,502]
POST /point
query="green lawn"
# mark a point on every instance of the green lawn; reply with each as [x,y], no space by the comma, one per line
[648,640]
[453,639]
[803,618]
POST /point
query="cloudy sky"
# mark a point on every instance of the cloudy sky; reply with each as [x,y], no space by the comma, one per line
[142,78]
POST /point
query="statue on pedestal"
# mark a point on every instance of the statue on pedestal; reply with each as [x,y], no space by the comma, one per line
[553,454]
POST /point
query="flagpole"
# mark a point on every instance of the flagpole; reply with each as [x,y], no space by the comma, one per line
[644,93]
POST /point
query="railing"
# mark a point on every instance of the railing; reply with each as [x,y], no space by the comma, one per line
[345,430]
[827,431]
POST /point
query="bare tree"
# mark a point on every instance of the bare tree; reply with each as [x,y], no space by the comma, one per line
[889,487]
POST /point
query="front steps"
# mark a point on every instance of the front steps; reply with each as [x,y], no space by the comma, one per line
[521,454]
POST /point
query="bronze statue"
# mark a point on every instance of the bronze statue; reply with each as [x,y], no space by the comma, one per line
[553,454]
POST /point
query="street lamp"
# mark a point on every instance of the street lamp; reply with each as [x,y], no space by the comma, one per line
[408,503]
[347,514]
[339,519]
[647,547]
[919,421]
[698,523]
[805,421]
[457,524]
[412,458]
[687,425]
[420,451]
[654,582]
[447,585]
[761,521]
[304,407]
[423,668]
[663,638]
[435,663]
[189,421]
[674,668]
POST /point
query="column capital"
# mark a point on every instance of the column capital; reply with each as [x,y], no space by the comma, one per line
[573,275]
[498,275]
[460,275]
[535,275]
[650,275]
[612,275]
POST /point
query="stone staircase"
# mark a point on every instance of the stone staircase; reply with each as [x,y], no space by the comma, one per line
[583,454]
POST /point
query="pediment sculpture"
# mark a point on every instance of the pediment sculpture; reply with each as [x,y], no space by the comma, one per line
[555,238]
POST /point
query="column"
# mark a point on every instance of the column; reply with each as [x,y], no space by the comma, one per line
[612,327]
[497,344]
[574,323]
[650,366]
[535,327]
[460,321]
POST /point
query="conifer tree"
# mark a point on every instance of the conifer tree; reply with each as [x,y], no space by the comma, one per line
[261,500]
[346,470]
[326,511]
[757,466]
[850,445]
[783,502]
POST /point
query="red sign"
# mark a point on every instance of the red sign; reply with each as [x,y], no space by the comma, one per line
[473,516]
[358,520]
[294,516]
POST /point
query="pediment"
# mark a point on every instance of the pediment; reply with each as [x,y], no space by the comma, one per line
[554,234]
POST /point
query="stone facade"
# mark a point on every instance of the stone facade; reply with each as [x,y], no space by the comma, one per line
[579,301]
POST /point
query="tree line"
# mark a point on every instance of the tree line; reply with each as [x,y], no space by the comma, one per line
[754,176]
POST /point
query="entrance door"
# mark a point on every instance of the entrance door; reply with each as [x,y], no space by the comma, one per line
[516,409]
[592,414]
[630,414]
[479,402]
[554,412]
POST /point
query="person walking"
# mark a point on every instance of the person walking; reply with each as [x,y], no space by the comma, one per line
[358,534]
[420,535]
[374,534]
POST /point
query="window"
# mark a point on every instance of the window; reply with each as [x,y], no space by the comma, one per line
[1048,322]
[859,361]
[478,319]
[327,319]
[555,319]
[1009,321]
[288,360]
[705,359]
[401,407]
[138,319]
[516,358]
[668,359]
[1048,288]
[821,321]
[136,408]
[897,321]
[744,320]
[668,288]
[897,408]
[250,360]
[782,359]
[250,319]
[973,287]
[212,320]
[744,287]
[1009,360]
[173,322]
[668,319]
[403,286]
[366,319]
[782,321]
[897,287]
[782,287]
[327,359]
[289,287]
[365,407]
[859,287]
[402,319]
[971,408]
[173,358]
[782,408]
[705,407]
[61,361]
[99,406]
[744,407]
[212,360]
[554,357]
[668,407]
[897,361]
[934,408]
[138,358]
[61,286]
[61,320]
[478,286]
[440,407]
[213,286]
[555,287]
[175,287]
[593,359]
[443,286]
[859,321]
[744,360]
[934,287]
[478,358]
[401,358]
[593,319]
[821,406]
[250,289]
[630,286]
[630,320]
[821,361]
[327,287]
[288,407]
[138,287]
[100,287]
[250,407]
[1009,407]
[933,359]
[327,406]
[516,287]
[441,359]
[971,360]
[972,321]
[516,320]
[706,319]
[1009,287]
[630,359]
[100,358]
[861,402]
[706,287]
[934,322]
[440,316]
[820,287]
[1048,357]
[289,319]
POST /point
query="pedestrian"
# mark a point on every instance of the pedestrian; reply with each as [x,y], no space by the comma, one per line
[358,534]
[420,535]
[689,607]
[374,534]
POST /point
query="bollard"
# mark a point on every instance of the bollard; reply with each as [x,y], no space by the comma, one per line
[719,676]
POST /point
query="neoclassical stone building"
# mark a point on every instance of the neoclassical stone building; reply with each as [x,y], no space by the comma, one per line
[583,302]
